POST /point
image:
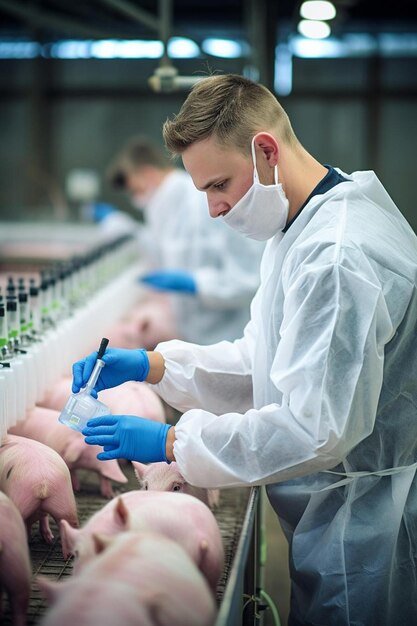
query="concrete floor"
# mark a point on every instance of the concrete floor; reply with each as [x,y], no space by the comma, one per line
[276,575]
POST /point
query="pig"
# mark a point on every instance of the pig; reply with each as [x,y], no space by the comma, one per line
[180,517]
[131,398]
[37,480]
[146,325]
[42,425]
[138,579]
[167,477]
[15,566]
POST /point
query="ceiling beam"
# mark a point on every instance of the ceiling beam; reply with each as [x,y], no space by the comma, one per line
[139,15]
[45,19]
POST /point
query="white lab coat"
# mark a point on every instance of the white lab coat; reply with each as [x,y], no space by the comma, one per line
[324,378]
[226,267]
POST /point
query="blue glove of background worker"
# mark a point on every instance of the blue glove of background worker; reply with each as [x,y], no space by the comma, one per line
[120,366]
[101,210]
[128,437]
[171,280]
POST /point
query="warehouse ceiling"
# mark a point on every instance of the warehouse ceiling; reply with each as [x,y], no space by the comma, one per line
[57,19]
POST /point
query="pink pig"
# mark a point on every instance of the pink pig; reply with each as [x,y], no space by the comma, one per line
[179,517]
[167,477]
[42,425]
[37,480]
[146,325]
[15,567]
[139,579]
[131,398]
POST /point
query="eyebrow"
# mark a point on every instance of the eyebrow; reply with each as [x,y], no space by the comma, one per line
[210,183]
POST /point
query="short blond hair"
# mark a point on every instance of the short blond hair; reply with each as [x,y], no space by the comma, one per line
[230,108]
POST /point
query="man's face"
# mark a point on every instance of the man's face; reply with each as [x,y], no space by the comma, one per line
[137,182]
[223,173]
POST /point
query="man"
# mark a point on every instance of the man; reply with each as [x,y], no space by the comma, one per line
[318,399]
[209,272]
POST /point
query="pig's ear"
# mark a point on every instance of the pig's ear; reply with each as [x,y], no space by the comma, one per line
[73,451]
[50,588]
[121,513]
[140,469]
[68,538]
[111,469]
[101,542]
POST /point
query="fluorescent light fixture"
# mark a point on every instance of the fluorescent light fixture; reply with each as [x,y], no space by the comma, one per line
[183,48]
[70,50]
[317,10]
[318,48]
[283,70]
[224,48]
[19,49]
[126,49]
[398,45]
[313,29]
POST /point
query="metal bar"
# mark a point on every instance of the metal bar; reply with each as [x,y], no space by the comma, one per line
[140,15]
[230,613]
[165,22]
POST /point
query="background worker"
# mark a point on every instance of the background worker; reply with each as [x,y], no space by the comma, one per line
[210,272]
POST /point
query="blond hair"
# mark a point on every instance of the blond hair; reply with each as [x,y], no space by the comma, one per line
[230,108]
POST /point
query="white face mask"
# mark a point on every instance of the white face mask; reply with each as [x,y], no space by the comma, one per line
[262,211]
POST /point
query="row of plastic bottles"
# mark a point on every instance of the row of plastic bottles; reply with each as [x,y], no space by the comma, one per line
[48,323]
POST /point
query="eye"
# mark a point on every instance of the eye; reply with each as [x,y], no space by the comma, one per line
[176,487]
[220,186]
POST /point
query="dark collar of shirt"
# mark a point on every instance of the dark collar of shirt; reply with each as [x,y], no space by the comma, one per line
[331,179]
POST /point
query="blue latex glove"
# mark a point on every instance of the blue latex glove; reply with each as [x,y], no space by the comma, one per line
[128,437]
[101,210]
[120,366]
[171,280]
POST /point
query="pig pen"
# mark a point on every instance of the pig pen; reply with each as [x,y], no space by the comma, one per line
[236,517]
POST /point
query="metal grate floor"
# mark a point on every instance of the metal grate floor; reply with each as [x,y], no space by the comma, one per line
[47,560]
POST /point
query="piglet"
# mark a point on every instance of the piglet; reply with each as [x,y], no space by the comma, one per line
[37,480]
[15,567]
[147,324]
[131,398]
[138,579]
[179,517]
[42,425]
[167,477]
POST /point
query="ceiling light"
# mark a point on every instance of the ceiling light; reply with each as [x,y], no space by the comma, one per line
[182,48]
[317,10]
[314,29]
[224,48]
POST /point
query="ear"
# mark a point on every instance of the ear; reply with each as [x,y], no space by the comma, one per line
[101,542]
[50,588]
[68,538]
[266,146]
[140,470]
[121,513]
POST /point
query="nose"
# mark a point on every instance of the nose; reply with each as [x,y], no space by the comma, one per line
[216,207]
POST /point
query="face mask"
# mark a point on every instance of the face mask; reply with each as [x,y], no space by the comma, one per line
[263,211]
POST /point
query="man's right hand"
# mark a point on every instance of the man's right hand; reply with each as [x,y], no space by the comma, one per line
[120,366]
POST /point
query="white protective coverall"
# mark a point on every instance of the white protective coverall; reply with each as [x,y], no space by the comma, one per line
[325,378]
[181,235]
